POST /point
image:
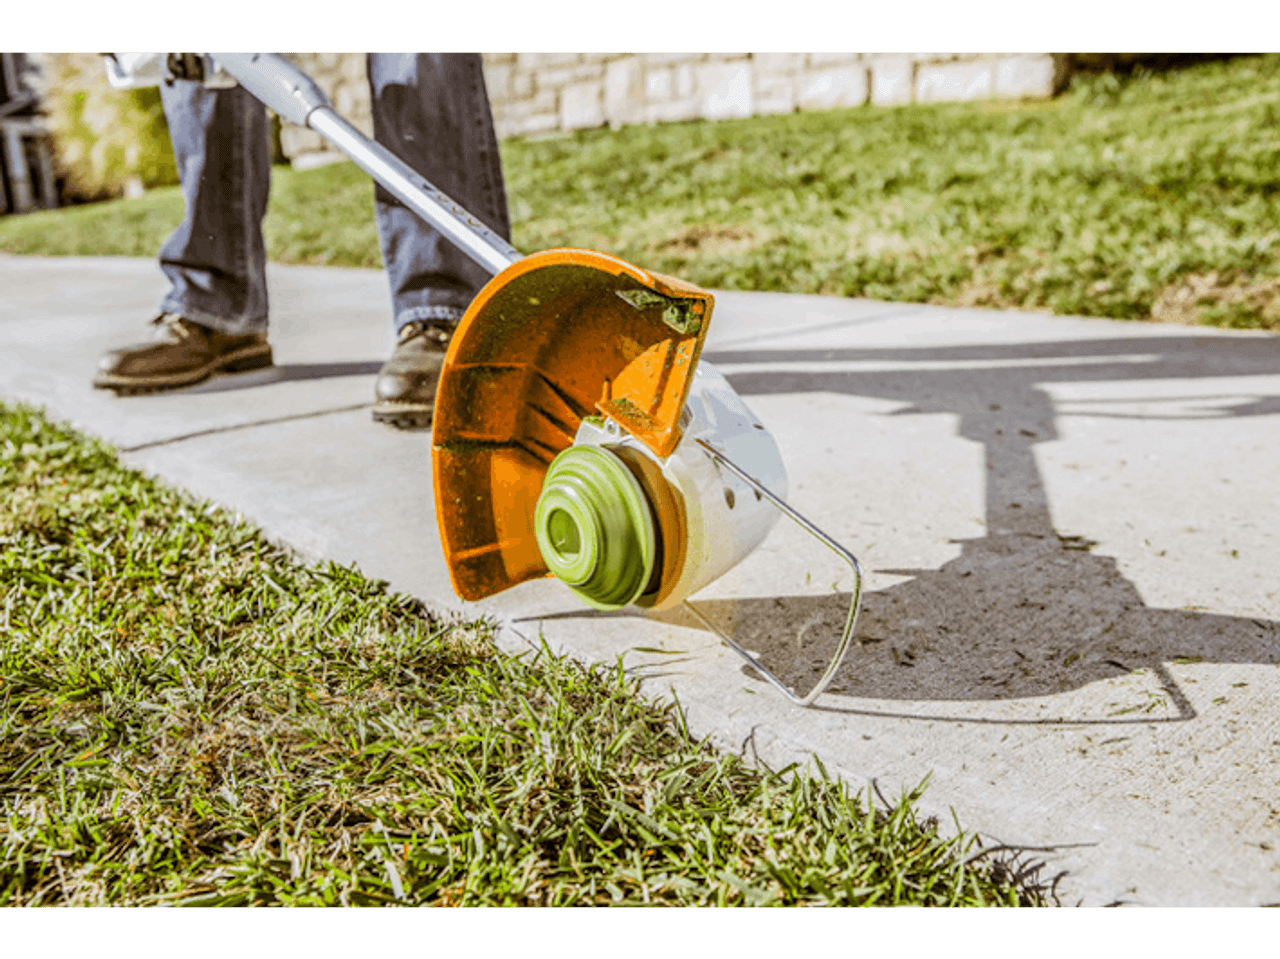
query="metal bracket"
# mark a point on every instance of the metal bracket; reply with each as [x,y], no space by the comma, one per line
[183,66]
[677,313]
[842,648]
[199,68]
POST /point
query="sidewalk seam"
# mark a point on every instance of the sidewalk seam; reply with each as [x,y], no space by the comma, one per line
[213,431]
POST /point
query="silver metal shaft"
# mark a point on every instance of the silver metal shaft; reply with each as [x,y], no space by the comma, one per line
[296,97]
[461,228]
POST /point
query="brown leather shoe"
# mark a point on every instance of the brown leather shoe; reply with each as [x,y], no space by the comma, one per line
[181,353]
[406,386]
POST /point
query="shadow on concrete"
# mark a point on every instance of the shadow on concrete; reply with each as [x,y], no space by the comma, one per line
[284,373]
[1023,611]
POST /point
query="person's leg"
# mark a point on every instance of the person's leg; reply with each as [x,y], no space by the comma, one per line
[216,259]
[214,316]
[432,111]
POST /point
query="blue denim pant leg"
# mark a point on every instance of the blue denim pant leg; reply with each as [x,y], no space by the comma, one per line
[216,260]
[432,111]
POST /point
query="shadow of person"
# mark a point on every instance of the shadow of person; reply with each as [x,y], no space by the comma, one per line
[1023,611]
[281,373]
[1014,616]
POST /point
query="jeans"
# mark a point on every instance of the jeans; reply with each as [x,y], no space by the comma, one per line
[430,109]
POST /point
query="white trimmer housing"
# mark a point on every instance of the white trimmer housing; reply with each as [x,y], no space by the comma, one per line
[724,517]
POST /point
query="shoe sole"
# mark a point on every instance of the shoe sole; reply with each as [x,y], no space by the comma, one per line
[238,361]
[404,416]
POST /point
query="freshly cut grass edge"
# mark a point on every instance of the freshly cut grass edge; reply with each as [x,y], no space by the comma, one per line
[192,716]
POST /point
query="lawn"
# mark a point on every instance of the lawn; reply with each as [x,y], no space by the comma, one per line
[1153,196]
[192,717]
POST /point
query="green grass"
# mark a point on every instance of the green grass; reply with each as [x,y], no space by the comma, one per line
[322,216]
[1110,201]
[189,716]
[1156,195]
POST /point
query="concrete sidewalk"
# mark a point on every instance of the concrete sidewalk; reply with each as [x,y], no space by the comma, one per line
[1072,617]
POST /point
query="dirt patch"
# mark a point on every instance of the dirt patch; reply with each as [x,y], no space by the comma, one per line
[1212,296]
[977,291]
[709,238]
[986,286]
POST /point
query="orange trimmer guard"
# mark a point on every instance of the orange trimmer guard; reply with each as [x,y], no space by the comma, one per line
[551,339]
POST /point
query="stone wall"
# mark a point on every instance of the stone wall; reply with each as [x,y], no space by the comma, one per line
[541,93]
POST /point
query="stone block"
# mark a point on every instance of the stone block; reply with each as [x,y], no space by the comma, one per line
[534,61]
[725,89]
[891,80]
[522,84]
[659,83]
[353,68]
[774,95]
[833,87]
[778,63]
[497,80]
[671,110]
[1027,75]
[587,71]
[685,79]
[545,101]
[833,59]
[536,123]
[672,58]
[347,99]
[973,80]
[623,92]
[552,78]
[580,106]
[295,140]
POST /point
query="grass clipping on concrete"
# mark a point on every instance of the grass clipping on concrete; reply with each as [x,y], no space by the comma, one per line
[1146,197]
[192,717]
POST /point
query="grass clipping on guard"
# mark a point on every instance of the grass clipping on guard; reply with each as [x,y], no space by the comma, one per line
[192,717]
